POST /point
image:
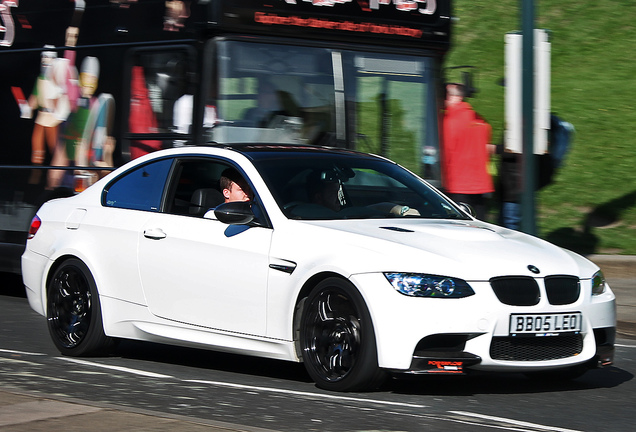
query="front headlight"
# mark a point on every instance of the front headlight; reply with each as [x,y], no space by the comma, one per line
[423,285]
[598,283]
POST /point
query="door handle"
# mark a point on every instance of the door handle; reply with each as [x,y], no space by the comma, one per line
[154,234]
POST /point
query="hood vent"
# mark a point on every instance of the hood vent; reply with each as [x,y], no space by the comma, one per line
[398,229]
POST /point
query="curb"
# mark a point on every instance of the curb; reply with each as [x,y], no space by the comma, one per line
[615,266]
[30,410]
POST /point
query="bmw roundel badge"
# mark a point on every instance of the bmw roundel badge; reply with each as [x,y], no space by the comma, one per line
[534,269]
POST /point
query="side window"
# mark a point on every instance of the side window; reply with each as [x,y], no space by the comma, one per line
[140,189]
[195,188]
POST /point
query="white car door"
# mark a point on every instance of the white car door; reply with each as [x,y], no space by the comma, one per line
[205,273]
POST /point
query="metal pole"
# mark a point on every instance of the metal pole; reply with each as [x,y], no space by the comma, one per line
[528,219]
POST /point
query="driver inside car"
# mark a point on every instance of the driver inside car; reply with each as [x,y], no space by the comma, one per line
[324,191]
[234,187]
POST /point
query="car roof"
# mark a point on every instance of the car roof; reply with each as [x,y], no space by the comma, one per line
[253,152]
[268,151]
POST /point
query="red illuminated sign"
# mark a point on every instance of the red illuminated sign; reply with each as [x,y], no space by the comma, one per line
[418,23]
[322,23]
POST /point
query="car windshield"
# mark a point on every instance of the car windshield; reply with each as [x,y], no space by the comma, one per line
[348,185]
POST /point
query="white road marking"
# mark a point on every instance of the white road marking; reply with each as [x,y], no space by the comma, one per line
[21,352]
[625,346]
[512,422]
[117,368]
[470,422]
[300,393]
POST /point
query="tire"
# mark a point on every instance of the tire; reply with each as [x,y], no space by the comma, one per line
[73,312]
[337,338]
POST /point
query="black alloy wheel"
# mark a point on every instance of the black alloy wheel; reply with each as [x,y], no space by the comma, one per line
[74,313]
[337,338]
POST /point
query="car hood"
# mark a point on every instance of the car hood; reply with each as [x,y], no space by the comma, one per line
[471,250]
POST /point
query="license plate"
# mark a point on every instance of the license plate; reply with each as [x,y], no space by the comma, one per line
[545,324]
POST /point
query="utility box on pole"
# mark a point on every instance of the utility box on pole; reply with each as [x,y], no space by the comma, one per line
[513,94]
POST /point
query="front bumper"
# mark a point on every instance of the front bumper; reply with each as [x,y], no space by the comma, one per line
[436,335]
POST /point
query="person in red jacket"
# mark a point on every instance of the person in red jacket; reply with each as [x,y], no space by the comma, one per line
[466,150]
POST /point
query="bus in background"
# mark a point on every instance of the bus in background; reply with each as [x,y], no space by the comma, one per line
[86,85]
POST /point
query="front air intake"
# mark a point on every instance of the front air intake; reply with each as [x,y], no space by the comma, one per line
[536,348]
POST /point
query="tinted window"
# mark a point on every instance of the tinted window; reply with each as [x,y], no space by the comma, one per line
[348,186]
[140,189]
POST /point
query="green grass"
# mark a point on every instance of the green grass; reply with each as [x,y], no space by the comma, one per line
[591,205]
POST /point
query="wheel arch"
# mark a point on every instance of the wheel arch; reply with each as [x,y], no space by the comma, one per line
[57,263]
[303,294]
[51,271]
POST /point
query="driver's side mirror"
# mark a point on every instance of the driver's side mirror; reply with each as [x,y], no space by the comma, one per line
[235,213]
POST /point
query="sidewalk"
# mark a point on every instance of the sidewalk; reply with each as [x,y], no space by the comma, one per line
[23,411]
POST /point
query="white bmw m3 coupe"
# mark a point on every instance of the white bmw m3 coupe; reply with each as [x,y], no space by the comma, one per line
[344,261]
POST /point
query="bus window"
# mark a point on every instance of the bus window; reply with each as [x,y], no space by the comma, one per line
[390,101]
[373,102]
[273,93]
[161,99]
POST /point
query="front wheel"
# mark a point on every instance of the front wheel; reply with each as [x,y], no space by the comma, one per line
[337,338]
[73,311]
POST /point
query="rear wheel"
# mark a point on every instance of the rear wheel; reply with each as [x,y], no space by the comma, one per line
[337,338]
[74,313]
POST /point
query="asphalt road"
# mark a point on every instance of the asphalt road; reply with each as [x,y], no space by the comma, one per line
[229,392]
